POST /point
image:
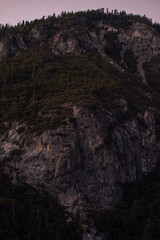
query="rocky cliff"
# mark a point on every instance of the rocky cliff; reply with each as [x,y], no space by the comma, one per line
[85,160]
[77,38]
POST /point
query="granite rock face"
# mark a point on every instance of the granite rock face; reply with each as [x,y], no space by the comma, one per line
[85,161]
[144,43]
[78,38]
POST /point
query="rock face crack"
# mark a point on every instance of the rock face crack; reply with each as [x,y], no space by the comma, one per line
[141,71]
[140,38]
[143,41]
[84,162]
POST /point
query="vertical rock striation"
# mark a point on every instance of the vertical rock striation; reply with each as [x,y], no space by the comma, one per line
[85,162]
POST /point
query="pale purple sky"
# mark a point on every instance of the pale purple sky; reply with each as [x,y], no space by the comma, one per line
[14,11]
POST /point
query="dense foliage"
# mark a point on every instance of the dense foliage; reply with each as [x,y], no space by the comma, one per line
[27,215]
[130,61]
[38,81]
[137,216]
[152,69]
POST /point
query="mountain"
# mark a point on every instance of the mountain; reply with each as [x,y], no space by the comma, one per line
[79,106]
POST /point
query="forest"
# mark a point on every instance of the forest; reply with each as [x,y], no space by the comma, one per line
[26,214]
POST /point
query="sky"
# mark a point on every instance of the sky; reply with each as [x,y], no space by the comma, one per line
[14,11]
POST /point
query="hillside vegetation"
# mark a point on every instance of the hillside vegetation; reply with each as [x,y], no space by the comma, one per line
[40,88]
[37,80]
[137,216]
[26,214]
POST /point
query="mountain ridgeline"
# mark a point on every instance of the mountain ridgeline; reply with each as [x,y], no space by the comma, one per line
[79,121]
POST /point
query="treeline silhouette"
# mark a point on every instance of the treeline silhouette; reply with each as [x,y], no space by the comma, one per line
[112,17]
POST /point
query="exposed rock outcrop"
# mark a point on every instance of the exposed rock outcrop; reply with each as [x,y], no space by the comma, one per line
[84,162]
[78,38]
[143,41]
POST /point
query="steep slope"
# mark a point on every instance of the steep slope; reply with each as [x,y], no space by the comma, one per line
[77,119]
[77,34]
[85,161]
[137,216]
